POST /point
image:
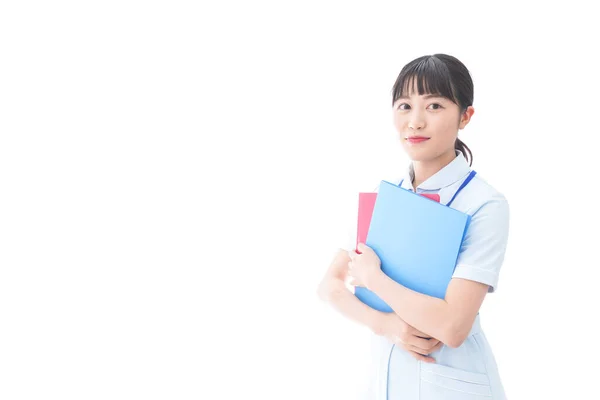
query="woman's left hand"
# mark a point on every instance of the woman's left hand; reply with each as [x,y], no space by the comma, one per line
[364,266]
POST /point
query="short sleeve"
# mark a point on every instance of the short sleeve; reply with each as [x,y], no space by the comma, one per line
[482,252]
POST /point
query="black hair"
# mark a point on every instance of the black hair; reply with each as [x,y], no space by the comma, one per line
[439,74]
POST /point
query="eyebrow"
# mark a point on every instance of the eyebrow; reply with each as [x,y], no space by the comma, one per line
[426,97]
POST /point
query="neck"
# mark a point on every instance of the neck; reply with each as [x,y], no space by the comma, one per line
[426,169]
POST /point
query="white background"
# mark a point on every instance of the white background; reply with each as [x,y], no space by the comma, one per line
[175,178]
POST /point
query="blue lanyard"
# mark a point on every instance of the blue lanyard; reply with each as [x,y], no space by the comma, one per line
[465,183]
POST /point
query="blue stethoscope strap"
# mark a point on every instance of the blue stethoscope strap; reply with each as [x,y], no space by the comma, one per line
[465,183]
[471,176]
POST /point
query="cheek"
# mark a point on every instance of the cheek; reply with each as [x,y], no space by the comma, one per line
[398,122]
[447,129]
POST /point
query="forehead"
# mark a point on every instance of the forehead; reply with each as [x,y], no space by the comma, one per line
[426,96]
[421,87]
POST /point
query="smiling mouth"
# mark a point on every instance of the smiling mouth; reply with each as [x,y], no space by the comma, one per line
[416,139]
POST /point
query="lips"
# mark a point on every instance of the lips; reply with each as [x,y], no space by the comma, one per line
[416,139]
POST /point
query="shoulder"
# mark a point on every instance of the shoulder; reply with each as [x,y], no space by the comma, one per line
[484,198]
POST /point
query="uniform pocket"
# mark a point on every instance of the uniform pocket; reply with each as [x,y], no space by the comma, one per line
[441,382]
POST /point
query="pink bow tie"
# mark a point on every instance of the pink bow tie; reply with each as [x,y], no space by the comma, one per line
[432,196]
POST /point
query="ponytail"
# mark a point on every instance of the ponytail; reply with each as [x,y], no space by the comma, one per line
[464,149]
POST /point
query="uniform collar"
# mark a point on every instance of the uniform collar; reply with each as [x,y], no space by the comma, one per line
[450,174]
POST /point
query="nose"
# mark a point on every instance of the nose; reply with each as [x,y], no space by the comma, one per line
[416,123]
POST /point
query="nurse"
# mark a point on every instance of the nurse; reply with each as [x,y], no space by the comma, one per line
[431,348]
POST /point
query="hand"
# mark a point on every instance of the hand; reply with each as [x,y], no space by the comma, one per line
[418,344]
[352,281]
[363,265]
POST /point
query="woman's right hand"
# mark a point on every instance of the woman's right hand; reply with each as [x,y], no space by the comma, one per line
[417,343]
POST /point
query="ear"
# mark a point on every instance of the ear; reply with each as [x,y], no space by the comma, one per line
[466,117]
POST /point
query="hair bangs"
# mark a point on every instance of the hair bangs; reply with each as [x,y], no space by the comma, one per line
[425,75]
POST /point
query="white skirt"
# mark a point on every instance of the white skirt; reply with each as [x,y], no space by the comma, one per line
[468,372]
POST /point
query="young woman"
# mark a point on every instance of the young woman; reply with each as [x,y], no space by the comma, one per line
[431,348]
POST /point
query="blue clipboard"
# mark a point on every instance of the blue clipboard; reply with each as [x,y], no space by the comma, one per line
[417,240]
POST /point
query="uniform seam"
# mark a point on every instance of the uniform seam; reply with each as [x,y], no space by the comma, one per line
[484,362]
[460,380]
[456,390]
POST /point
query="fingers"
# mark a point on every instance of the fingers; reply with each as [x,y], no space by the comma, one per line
[352,254]
[411,330]
[423,353]
[417,353]
[417,338]
[415,332]
[433,344]
[436,347]
[423,358]
[421,335]
[360,249]
[418,350]
[418,345]
[355,282]
[424,344]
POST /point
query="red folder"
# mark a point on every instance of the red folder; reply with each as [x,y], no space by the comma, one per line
[366,203]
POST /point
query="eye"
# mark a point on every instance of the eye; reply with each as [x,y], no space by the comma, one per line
[403,106]
[436,106]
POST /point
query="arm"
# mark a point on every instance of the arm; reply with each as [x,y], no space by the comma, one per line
[448,319]
[451,319]
[333,290]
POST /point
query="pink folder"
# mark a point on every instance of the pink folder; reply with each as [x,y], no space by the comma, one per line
[366,204]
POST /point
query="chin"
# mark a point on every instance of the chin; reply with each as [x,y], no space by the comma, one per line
[423,153]
[419,155]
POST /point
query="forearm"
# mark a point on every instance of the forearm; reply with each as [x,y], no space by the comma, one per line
[346,303]
[425,313]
